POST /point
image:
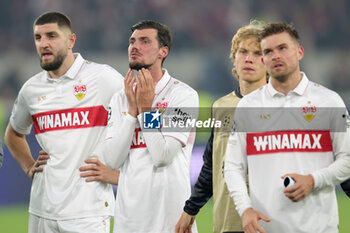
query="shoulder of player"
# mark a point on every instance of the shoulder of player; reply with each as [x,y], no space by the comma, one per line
[227,100]
[33,84]
[177,86]
[119,97]
[254,98]
[327,96]
[37,78]
[103,70]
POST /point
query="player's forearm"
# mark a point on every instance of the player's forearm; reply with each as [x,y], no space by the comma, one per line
[203,191]
[162,149]
[116,147]
[235,172]
[237,186]
[18,146]
[115,177]
[339,170]
[334,174]
[203,188]
[112,176]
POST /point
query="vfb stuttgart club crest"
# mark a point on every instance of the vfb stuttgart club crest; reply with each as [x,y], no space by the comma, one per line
[79,91]
[309,111]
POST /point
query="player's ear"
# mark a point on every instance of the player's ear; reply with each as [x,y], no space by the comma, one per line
[300,52]
[163,52]
[71,40]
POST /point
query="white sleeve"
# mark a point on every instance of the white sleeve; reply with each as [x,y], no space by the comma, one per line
[116,148]
[162,148]
[21,119]
[339,170]
[163,145]
[183,107]
[120,131]
[111,82]
[236,169]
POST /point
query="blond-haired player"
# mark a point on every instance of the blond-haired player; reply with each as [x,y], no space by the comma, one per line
[251,74]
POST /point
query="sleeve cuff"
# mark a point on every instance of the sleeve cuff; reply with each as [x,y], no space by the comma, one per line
[317,179]
[191,211]
[19,130]
[139,118]
[241,210]
[130,118]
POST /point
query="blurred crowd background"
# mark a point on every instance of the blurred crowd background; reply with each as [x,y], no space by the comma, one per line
[202,33]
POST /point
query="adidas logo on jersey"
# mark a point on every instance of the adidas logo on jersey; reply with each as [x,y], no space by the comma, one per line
[288,141]
[70,118]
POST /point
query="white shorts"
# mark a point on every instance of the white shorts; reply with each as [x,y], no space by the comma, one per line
[81,225]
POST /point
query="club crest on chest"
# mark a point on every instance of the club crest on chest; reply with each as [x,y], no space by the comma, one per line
[80,91]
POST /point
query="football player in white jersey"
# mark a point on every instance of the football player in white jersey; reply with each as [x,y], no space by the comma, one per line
[67,105]
[316,159]
[154,165]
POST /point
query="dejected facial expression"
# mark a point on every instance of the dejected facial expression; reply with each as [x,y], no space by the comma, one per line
[281,55]
[52,45]
[247,61]
[144,50]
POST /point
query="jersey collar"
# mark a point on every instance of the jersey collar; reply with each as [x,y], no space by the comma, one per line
[161,84]
[238,92]
[299,90]
[73,70]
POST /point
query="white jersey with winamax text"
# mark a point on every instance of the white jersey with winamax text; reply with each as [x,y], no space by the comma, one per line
[292,147]
[69,115]
[149,198]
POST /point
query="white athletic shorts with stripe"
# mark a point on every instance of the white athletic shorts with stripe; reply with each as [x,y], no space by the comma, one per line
[82,225]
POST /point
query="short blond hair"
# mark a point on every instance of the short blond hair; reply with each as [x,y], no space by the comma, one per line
[252,30]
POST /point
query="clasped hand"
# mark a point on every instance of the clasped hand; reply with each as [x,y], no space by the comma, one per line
[141,98]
